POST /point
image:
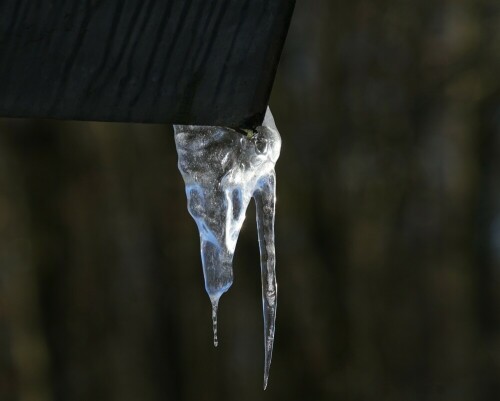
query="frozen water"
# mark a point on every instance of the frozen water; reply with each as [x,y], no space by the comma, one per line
[223,169]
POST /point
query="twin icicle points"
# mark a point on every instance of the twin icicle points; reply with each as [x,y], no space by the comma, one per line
[223,170]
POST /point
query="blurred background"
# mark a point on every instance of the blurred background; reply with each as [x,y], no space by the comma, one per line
[388,231]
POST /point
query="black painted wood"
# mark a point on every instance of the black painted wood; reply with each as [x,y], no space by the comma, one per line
[208,62]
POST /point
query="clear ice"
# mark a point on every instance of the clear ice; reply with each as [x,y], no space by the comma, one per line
[223,169]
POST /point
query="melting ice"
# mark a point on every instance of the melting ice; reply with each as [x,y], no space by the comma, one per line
[223,169]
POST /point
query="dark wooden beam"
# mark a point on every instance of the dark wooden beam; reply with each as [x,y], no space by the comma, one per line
[208,62]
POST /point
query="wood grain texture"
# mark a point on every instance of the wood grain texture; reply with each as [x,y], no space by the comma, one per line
[208,62]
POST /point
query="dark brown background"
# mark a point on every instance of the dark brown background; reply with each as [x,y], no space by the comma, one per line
[388,231]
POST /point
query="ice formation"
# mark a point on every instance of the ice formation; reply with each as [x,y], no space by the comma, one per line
[223,169]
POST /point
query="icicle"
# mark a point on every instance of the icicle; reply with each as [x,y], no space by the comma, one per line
[215,306]
[223,169]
